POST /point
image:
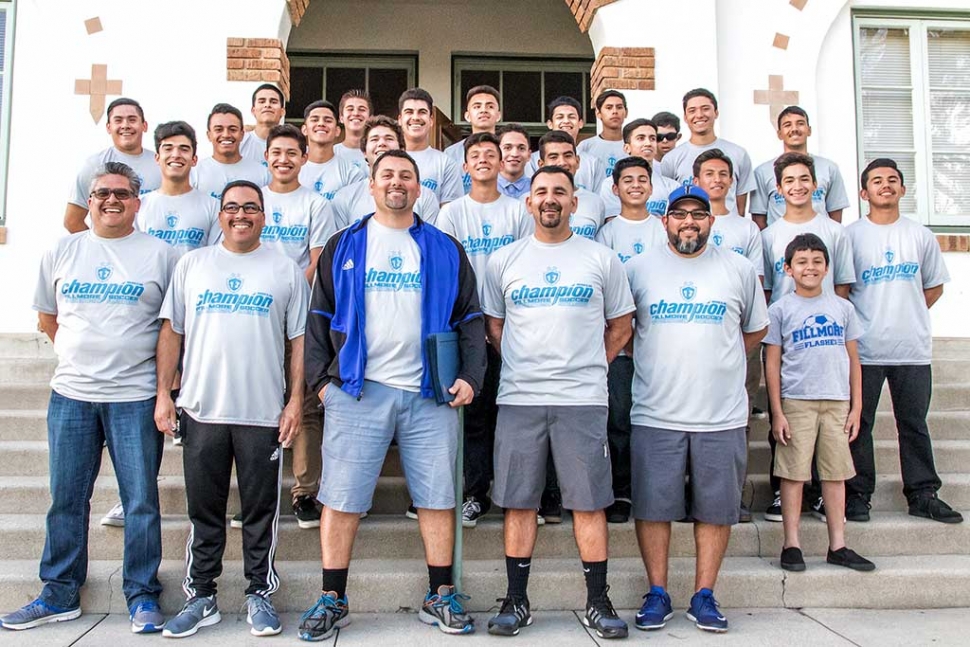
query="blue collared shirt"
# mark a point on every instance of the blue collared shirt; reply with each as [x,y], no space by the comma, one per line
[515,189]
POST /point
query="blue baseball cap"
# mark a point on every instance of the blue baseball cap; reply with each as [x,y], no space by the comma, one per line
[688,192]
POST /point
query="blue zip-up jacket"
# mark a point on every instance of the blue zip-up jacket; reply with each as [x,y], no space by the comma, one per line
[336,348]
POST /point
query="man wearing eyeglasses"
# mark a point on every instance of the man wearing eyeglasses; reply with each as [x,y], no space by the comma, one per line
[699,308]
[99,295]
[235,304]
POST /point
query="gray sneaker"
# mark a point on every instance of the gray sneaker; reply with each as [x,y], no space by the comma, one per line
[115,517]
[146,618]
[197,612]
[262,616]
[445,611]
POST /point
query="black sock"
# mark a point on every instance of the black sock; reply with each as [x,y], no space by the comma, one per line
[517,569]
[595,579]
[439,576]
[335,579]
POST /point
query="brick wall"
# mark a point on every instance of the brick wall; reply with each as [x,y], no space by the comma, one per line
[258,59]
[954,242]
[584,10]
[297,9]
[623,68]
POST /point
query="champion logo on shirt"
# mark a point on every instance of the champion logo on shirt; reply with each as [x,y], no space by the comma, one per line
[318,187]
[610,163]
[289,234]
[431,184]
[718,239]
[104,272]
[638,248]
[658,207]
[818,195]
[905,271]
[234,301]
[586,231]
[780,265]
[100,291]
[486,244]
[234,282]
[688,311]
[574,295]
[395,281]
[191,237]
[171,219]
[818,330]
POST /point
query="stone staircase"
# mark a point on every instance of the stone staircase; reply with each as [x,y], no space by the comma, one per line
[921,564]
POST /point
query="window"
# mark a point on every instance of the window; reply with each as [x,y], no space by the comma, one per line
[913,91]
[6,64]
[526,85]
[325,76]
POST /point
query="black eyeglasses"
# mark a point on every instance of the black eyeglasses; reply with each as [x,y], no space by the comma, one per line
[249,208]
[667,137]
[696,214]
[121,194]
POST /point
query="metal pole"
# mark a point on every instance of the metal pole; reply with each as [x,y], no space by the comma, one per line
[459,499]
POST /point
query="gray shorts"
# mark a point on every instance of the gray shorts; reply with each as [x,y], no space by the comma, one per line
[660,462]
[576,436]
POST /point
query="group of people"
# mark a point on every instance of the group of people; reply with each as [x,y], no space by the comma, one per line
[613,304]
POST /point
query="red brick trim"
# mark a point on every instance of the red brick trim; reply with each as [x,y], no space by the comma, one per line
[623,68]
[297,9]
[258,59]
[954,242]
[584,10]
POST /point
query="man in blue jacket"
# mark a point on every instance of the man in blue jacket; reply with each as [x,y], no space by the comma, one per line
[382,286]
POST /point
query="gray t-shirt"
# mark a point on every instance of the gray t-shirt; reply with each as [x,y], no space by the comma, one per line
[296,222]
[894,264]
[629,238]
[829,196]
[329,177]
[235,311]
[483,229]
[186,222]
[355,201]
[589,176]
[456,153]
[589,214]
[678,164]
[106,293]
[353,155]
[144,165]
[253,148]
[812,332]
[608,153]
[656,205]
[688,352]
[211,177]
[439,173]
[740,235]
[775,239]
[555,300]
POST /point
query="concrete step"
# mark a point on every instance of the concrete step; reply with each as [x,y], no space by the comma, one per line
[25,345]
[952,456]
[21,370]
[396,537]
[385,585]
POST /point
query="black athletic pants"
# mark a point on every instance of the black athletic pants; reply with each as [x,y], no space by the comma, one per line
[208,451]
[618,427]
[480,418]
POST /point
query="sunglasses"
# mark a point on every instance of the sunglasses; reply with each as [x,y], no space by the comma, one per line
[121,194]
[667,137]
[250,208]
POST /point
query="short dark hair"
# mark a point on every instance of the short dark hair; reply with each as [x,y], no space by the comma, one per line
[505,129]
[399,153]
[629,162]
[803,243]
[289,131]
[381,121]
[563,101]
[355,94]
[607,94]
[224,109]
[125,101]
[712,154]
[321,103]
[881,162]
[269,86]
[555,137]
[483,89]
[792,110]
[553,170]
[246,184]
[633,125]
[791,159]
[117,168]
[482,138]
[700,92]
[668,119]
[415,94]
[175,129]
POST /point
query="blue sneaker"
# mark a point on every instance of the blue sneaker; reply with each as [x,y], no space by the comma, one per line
[196,613]
[656,609]
[325,617]
[37,613]
[146,618]
[704,614]
[444,610]
[262,616]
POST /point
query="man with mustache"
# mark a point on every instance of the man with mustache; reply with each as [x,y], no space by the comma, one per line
[699,308]
[224,128]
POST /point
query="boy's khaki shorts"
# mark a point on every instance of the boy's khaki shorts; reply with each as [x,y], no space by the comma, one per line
[817,427]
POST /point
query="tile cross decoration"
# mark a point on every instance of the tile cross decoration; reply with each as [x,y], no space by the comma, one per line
[776,97]
[97,87]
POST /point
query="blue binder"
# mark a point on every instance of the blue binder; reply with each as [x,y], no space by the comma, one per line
[444,361]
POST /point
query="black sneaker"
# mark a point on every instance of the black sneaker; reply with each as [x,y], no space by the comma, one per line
[758,413]
[513,615]
[412,512]
[773,513]
[551,508]
[472,510]
[850,559]
[601,617]
[619,512]
[306,512]
[932,507]
[857,508]
[818,509]
[744,514]
[236,521]
[792,560]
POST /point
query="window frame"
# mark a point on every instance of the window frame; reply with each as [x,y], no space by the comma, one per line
[10,8]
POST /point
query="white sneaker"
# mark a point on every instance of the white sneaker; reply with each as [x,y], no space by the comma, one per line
[115,516]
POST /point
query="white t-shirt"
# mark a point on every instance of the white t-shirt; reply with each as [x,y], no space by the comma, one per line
[106,293]
[589,176]
[235,311]
[211,177]
[688,352]
[439,174]
[678,164]
[483,229]
[186,222]
[661,187]
[253,148]
[740,235]
[608,153]
[144,165]
[456,153]
[589,214]
[775,239]
[829,196]
[894,264]
[295,223]
[392,306]
[329,177]
[555,300]
[353,155]
[629,238]
[354,202]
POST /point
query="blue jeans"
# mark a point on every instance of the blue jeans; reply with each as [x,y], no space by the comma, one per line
[76,433]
